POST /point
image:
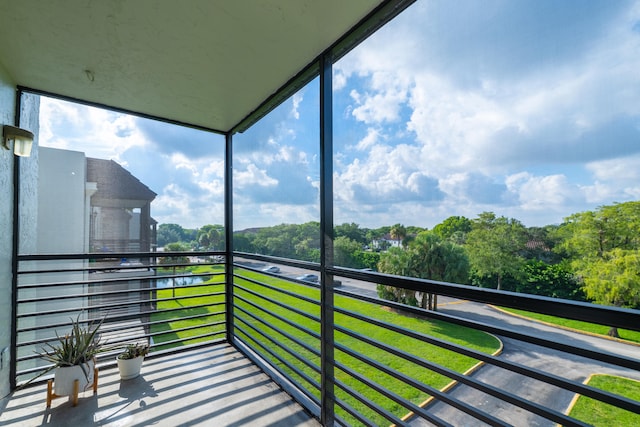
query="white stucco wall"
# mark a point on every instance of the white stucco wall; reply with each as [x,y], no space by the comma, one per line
[29,119]
[7,106]
[61,207]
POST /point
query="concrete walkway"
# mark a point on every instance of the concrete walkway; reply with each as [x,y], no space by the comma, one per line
[213,386]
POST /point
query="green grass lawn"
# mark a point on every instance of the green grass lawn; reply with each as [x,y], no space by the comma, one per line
[452,333]
[266,312]
[190,304]
[600,414]
[625,334]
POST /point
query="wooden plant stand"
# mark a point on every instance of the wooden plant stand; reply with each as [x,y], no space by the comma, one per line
[73,397]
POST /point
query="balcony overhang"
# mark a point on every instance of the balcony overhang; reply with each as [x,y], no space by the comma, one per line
[203,63]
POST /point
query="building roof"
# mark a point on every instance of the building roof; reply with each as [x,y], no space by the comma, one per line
[204,63]
[116,183]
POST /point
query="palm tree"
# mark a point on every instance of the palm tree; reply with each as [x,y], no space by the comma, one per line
[398,232]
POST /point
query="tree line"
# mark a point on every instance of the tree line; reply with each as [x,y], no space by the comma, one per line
[591,256]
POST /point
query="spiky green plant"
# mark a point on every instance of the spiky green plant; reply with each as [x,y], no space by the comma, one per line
[75,348]
[134,350]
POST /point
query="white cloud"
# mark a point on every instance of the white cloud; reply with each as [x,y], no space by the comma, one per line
[448,110]
[371,138]
[536,193]
[502,120]
[97,132]
[295,104]
[614,180]
[251,176]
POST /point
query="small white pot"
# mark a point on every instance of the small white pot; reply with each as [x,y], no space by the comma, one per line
[129,368]
[65,376]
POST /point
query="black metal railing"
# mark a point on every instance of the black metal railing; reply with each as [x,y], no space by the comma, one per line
[391,363]
[389,371]
[171,301]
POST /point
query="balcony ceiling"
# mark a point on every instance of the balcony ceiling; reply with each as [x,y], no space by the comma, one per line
[202,62]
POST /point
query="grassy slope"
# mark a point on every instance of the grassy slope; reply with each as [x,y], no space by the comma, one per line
[600,414]
[464,336]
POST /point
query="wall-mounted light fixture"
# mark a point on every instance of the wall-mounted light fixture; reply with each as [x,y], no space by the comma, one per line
[22,140]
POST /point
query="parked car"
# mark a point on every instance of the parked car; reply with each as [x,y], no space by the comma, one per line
[271,269]
[308,278]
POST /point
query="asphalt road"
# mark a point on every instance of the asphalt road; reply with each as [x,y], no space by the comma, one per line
[562,364]
[552,361]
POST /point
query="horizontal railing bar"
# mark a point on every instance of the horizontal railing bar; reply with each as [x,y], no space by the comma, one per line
[274,260]
[186,328]
[117,319]
[370,404]
[556,345]
[537,374]
[272,340]
[86,282]
[276,289]
[115,268]
[130,338]
[351,411]
[196,337]
[302,375]
[117,292]
[154,278]
[110,362]
[109,255]
[577,310]
[123,304]
[471,410]
[303,344]
[280,304]
[277,316]
[478,385]
[402,401]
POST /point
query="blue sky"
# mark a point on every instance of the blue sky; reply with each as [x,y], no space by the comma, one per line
[527,109]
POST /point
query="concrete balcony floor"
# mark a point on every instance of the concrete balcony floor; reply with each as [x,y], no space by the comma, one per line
[214,386]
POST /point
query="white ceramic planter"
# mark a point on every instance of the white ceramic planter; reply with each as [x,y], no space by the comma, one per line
[129,368]
[64,378]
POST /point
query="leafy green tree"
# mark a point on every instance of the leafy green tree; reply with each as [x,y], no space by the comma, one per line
[614,279]
[352,231]
[345,252]
[541,242]
[494,246]
[176,247]
[169,233]
[427,257]
[588,235]
[243,242]
[211,237]
[368,259]
[603,246]
[413,230]
[454,228]
[551,280]
[296,241]
[396,261]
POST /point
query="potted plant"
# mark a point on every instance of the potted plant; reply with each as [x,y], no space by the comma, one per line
[130,360]
[73,359]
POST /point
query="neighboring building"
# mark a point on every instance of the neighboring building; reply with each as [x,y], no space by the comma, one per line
[120,209]
[88,205]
